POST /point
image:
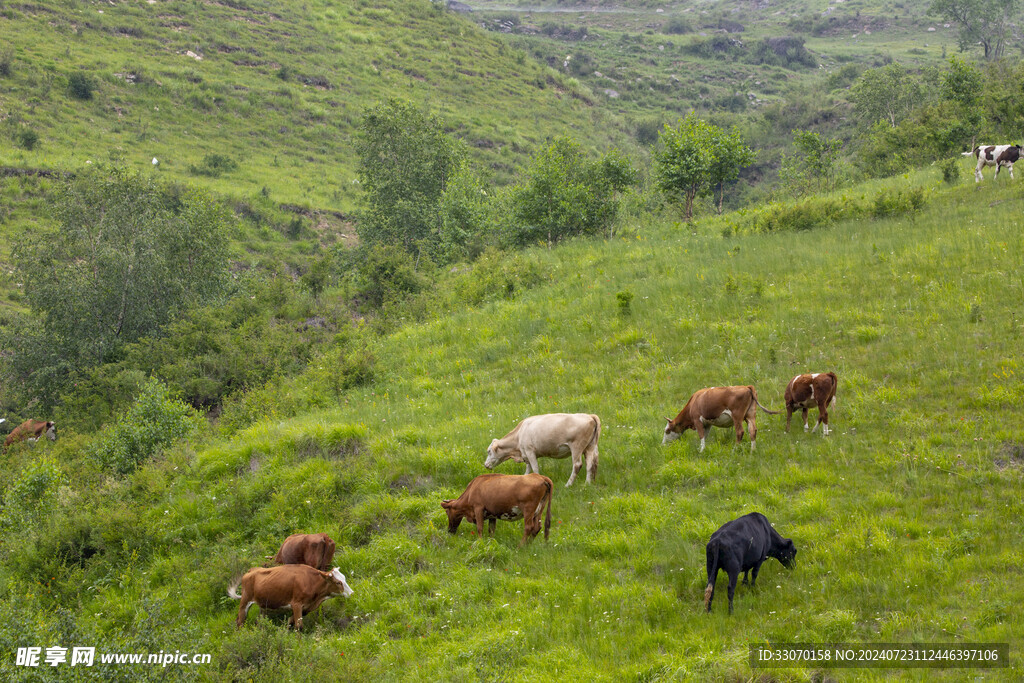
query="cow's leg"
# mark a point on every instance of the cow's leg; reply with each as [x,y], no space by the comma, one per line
[243,609]
[701,433]
[806,411]
[531,462]
[297,615]
[479,514]
[577,464]
[746,576]
[977,170]
[752,428]
[753,574]
[789,416]
[823,418]
[1010,167]
[490,526]
[733,576]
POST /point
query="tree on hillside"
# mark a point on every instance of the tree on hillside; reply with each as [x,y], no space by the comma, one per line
[126,257]
[685,158]
[985,22]
[565,194]
[887,93]
[730,155]
[406,162]
[814,167]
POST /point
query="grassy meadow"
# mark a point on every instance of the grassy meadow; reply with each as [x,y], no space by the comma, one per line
[903,517]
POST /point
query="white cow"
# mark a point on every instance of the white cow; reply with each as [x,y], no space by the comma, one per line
[556,435]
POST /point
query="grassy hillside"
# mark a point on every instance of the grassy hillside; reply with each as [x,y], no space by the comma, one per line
[903,517]
[274,87]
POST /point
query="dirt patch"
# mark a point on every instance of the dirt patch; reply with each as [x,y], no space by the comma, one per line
[1010,454]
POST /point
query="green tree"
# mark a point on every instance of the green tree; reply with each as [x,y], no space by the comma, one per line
[985,22]
[565,194]
[126,257]
[887,93]
[685,158]
[814,167]
[406,162]
[730,155]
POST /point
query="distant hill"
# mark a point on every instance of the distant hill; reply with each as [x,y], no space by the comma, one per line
[246,95]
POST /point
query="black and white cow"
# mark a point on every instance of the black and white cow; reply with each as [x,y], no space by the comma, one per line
[994,155]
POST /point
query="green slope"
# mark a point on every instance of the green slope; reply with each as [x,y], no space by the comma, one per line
[277,87]
[903,517]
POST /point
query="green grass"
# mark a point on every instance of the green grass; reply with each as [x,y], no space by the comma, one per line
[903,517]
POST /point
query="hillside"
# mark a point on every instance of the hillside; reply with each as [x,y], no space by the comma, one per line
[275,88]
[900,516]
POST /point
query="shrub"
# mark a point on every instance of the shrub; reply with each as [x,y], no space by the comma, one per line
[81,86]
[34,490]
[677,26]
[28,139]
[214,165]
[950,170]
[6,62]
[388,274]
[896,202]
[152,423]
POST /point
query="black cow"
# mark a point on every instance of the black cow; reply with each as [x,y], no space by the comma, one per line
[741,545]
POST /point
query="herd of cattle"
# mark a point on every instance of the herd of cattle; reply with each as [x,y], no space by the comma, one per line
[302,578]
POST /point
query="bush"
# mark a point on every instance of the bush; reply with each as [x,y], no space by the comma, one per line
[28,139]
[214,165]
[677,26]
[950,170]
[81,86]
[153,422]
[896,202]
[6,62]
[388,274]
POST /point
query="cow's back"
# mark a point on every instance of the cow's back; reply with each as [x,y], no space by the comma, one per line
[545,434]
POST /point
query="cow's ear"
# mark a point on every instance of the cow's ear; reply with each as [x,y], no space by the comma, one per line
[446,504]
[668,419]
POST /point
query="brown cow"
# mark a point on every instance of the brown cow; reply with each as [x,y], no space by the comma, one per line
[31,431]
[718,407]
[297,586]
[806,391]
[503,496]
[316,550]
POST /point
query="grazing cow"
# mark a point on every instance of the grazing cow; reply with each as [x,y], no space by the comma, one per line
[556,435]
[743,545]
[31,431]
[297,586]
[994,155]
[718,407]
[316,550]
[807,391]
[503,496]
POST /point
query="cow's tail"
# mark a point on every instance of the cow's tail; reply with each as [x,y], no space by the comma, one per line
[712,573]
[233,590]
[753,392]
[547,516]
[597,431]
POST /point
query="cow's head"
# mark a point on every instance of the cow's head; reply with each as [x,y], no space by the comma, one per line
[51,431]
[785,553]
[340,585]
[454,518]
[495,456]
[673,430]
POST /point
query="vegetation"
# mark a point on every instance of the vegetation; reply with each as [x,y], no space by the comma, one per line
[248,355]
[885,512]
